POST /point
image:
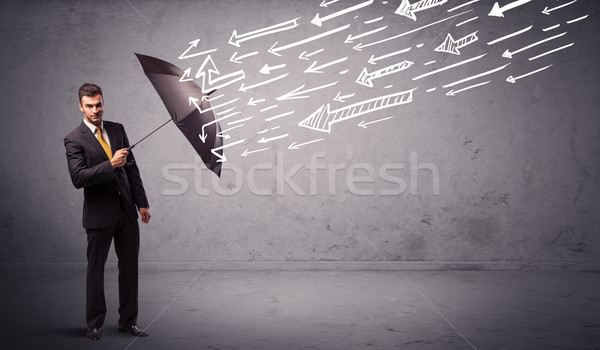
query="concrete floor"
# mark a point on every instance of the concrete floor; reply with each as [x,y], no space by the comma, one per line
[313,310]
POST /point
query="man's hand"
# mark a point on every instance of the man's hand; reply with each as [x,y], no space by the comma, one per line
[145,215]
[119,158]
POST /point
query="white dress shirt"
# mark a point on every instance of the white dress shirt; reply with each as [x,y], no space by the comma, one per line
[95,132]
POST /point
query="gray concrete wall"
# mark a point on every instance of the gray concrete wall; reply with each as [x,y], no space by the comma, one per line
[518,164]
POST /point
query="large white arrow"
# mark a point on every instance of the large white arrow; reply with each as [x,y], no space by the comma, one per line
[365,78]
[209,68]
[324,117]
[236,39]
[192,45]
[451,46]
[299,93]
[318,21]
[275,51]
[509,54]
[498,11]
[407,9]
[266,69]
[317,69]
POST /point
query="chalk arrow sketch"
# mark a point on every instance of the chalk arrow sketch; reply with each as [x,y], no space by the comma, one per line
[451,46]
[476,76]
[247,152]
[245,88]
[186,76]
[253,102]
[305,56]
[317,69]
[408,10]
[498,11]
[236,38]
[324,3]
[222,158]
[343,98]
[195,102]
[362,124]
[209,68]
[513,80]
[225,136]
[454,92]
[237,59]
[361,46]
[275,51]
[266,69]
[299,93]
[293,145]
[350,39]
[373,59]
[193,44]
[365,78]
[324,117]
[518,32]
[547,11]
[318,21]
[265,140]
[510,54]
[203,134]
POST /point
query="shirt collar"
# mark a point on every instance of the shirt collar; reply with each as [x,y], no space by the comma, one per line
[92,126]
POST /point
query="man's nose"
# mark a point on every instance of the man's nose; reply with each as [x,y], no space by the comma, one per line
[95,109]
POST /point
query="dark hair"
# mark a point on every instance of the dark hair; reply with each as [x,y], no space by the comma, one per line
[90,90]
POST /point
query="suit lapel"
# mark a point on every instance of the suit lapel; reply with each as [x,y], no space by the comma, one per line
[93,141]
[112,137]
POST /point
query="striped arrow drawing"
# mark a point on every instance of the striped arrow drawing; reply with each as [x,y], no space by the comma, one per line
[236,39]
[365,78]
[451,46]
[324,117]
[408,10]
[498,11]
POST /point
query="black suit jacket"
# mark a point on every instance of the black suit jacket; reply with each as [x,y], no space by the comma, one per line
[105,189]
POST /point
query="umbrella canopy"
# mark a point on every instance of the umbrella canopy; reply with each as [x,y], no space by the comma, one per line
[175,94]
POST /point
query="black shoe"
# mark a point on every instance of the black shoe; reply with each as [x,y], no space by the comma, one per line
[133,330]
[94,333]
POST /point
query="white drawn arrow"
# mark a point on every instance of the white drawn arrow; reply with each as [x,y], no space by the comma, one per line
[318,21]
[305,56]
[203,134]
[266,69]
[293,145]
[408,10]
[279,116]
[209,68]
[365,78]
[451,46]
[192,45]
[510,35]
[226,136]
[547,11]
[264,140]
[240,120]
[299,93]
[324,3]
[195,102]
[341,98]
[498,11]
[246,152]
[237,59]
[324,117]
[476,76]
[373,59]
[223,158]
[253,102]
[513,80]
[449,67]
[454,92]
[361,46]
[236,39]
[275,51]
[186,73]
[350,39]
[317,69]
[364,125]
[509,54]
[245,88]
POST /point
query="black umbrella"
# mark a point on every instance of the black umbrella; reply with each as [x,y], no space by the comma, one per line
[183,101]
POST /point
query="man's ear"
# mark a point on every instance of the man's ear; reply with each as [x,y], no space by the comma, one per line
[80,107]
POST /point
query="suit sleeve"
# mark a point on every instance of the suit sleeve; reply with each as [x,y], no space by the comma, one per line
[135,180]
[81,175]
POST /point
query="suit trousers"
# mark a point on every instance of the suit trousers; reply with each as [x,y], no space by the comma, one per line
[126,235]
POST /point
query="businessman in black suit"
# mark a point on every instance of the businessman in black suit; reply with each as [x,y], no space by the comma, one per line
[112,189]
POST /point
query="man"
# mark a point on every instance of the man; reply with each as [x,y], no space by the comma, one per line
[112,188]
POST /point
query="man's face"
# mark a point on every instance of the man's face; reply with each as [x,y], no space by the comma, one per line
[92,108]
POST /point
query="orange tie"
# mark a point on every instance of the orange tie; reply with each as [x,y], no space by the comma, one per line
[103,143]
